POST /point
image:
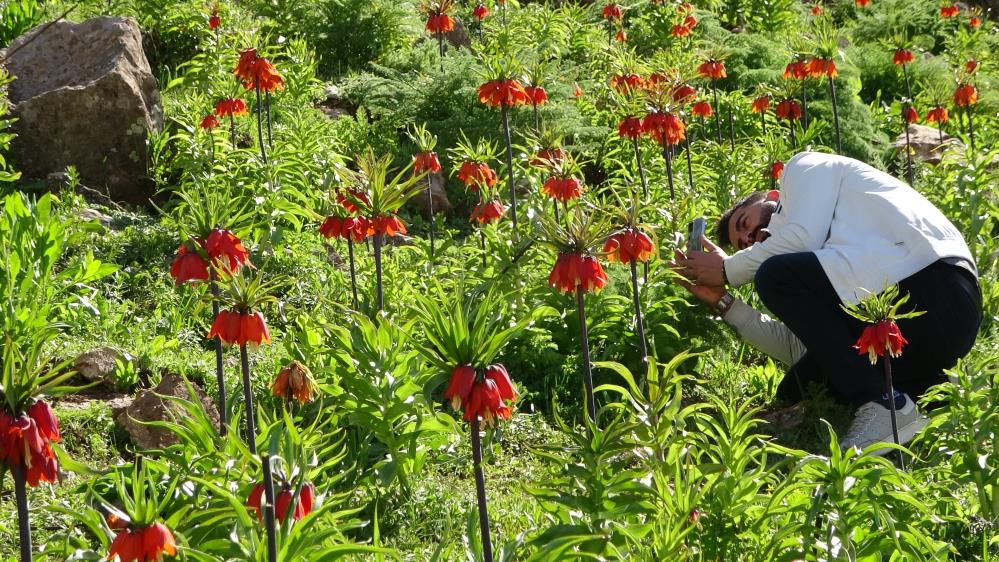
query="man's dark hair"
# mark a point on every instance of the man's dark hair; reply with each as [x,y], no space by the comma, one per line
[721,231]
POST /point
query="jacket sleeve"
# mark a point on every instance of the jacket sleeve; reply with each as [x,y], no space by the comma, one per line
[810,188]
[764,333]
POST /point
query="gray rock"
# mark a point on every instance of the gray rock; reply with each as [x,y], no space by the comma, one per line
[84,95]
[87,215]
[925,143]
[437,193]
[147,407]
[100,364]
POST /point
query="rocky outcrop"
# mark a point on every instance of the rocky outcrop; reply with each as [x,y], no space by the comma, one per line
[925,143]
[436,193]
[100,364]
[84,96]
[148,406]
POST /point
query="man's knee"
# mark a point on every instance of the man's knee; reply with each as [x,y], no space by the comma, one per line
[771,274]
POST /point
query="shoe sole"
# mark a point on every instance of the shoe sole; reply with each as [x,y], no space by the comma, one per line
[905,434]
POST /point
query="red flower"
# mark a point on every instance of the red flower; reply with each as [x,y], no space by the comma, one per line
[486,401]
[188,266]
[45,420]
[690,21]
[294,380]
[230,107]
[214,21]
[819,67]
[156,541]
[684,93]
[630,127]
[254,71]
[473,174]
[485,213]
[344,227]
[761,104]
[680,31]
[498,374]
[536,95]
[620,36]
[965,95]
[775,170]
[577,92]
[460,385]
[971,66]
[546,157]
[902,56]
[347,200]
[480,12]
[816,10]
[127,546]
[209,122]
[226,247]
[937,115]
[612,11]
[562,189]
[862,3]
[656,78]
[665,127]
[949,11]
[685,8]
[879,338]
[27,442]
[701,109]
[438,24]
[713,69]
[797,69]
[383,224]
[910,115]
[622,83]
[629,245]
[508,93]
[240,328]
[577,270]
[788,109]
[974,22]
[426,162]
[282,501]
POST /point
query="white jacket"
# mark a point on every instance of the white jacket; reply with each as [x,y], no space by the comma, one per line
[868,229]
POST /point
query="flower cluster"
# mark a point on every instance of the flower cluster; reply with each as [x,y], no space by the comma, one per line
[257,72]
[474,174]
[146,544]
[484,396]
[282,502]
[426,162]
[713,69]
[221,247]
[26,442]
[788,109]
[355,228]
[629,245]
[240,328]
[880,338]
[440,23]
[490,211]
[562,188]
[294,380]
[574,270]
[665,127]
[503,93]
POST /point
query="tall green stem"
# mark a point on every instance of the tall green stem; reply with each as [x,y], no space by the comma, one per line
[591,405]
[219,364]
[21,499]
[509,166]
[639,325]
[641,168]
[251,430]
[260,122]
[890,391]
[480,492]
[269,515]
[379,293]
[714,90]
[353,275]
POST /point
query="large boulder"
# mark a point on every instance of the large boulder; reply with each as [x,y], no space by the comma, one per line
[149,406]
[925,143]
[100,364]
[436,194]
[84,95]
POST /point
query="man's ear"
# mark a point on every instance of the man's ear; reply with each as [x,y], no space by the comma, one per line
[773,195]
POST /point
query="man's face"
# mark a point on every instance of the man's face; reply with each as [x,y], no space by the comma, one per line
[748,224]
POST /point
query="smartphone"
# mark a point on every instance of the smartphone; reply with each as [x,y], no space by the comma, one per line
[695,232]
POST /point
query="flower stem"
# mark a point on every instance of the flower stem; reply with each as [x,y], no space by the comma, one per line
[908,149]
[639,325]
[555,207]
[219,368]
[591,405]
[714,90]
[353,275]
[890,390]
[251,430]
[379,293]
[270,132]
[537,119]
[940,130]
[269,516]
[480,492]
[260,123]
[482,243]
[211,140]
[832,93]
[430,204]
[232,131]
[908,89]
[509,165]
[440,50]
[794,141]
[804,103]
[690,165]
[21,498]
[667,154]
[641,168]
[763,121]
[731,129]
[971,127]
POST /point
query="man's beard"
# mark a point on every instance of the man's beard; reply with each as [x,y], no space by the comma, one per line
[765,214]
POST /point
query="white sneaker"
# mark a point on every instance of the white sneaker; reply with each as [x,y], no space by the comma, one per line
[872,424]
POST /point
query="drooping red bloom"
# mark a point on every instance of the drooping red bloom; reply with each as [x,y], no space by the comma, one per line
[680,30]
[294,380]
[775,170]
[713,69]
[628,245]
[630,127]
[965,95]
[788,109]
[621,36]
[386,224]
[902,56]
[975,22]
[547,157]
[797,69]
[486,397]
[701,109]
[460,385]
[254,71]
[209,122]
[971,66]
[576,270]
[684,93]
[562,189]
[426,162]
[480,12]
[486,401]
[862,3]
[438,24]
[665,127]
[189,266]
[347,199]
[147,544]
[500,93]
[761,104]
[910,114]
[490,211]
[820,67]
[127,546]
[230,107]
[685,8]
[355,228]
[577,92]
[949,11]
[536,95]
[622,83]
[690,21]
[656,78]
[499,375]
[282,502]
[937,115]
[26,441]
[612,11]
[45,420]
[226,248]
[214,21]
[240,328]
[473,174]
[816,10]
[880,338]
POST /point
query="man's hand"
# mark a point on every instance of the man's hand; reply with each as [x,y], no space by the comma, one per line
[705,268]
[706,294]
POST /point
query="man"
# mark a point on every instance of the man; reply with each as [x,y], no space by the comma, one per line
[837,231]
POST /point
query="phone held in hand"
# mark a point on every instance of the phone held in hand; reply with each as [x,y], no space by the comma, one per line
[695,232]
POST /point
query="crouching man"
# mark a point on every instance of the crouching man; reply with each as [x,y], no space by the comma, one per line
[835,231]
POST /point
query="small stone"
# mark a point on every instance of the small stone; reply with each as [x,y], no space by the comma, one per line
[100,364]
[148,406]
